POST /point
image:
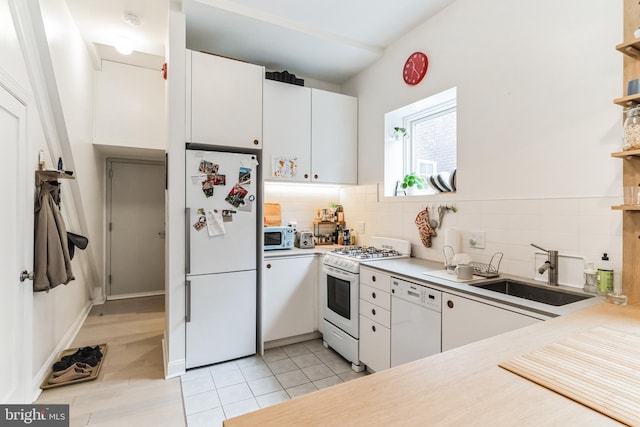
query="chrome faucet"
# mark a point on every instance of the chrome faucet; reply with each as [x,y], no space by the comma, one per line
[550,265]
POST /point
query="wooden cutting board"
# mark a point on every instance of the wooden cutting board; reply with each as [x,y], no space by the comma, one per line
[599,369]
[272,215]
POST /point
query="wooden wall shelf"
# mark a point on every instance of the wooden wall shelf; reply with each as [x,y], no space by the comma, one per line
[628,101]
[626,154]
[630,48]
[52,175]
[626,208]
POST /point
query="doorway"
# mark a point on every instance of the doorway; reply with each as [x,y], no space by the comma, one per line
[16,251]
[135,228]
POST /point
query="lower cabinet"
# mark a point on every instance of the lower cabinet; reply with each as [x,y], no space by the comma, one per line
[465,321]
[289,297]
[375,344]
[375,319]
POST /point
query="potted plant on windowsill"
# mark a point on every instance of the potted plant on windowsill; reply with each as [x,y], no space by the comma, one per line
[413,183]
[399,133]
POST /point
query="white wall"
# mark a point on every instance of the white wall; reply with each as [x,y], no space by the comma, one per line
[175,216]
[58,314]
[536,126]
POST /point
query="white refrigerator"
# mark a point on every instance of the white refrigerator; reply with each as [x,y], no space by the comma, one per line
[221,232]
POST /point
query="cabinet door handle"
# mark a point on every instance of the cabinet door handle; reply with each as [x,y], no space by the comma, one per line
[268,265]
[450,304]
[256,142]
[373,278]
[306,175]
[373,294]
[373,311]
[315,176]
[187,244]
[187,309]
[373,328]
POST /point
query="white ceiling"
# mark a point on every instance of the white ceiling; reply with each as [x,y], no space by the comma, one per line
[329,40]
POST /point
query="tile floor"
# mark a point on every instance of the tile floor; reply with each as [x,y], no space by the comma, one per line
[213,393]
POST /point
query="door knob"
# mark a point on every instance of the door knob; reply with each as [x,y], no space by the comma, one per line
[24,275]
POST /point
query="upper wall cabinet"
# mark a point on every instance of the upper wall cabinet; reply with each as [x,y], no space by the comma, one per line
[224,101]
[310,135]
[287,131]
[129,107]
[334,137]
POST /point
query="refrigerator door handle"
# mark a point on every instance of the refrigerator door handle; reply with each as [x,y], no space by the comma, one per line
[187,309]
[187,239]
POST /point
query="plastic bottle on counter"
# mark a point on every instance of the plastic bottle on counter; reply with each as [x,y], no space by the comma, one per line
[604,276]
[590,277]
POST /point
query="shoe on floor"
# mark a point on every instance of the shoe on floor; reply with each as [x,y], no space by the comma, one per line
[70,375]
[88,355]
[79,365]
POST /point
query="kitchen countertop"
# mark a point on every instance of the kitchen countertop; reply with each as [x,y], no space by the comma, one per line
[414,269]
[463,386]
[317,250]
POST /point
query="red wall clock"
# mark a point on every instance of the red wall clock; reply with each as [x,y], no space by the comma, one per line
[415,68]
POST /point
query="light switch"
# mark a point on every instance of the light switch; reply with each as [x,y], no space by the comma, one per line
[476,239]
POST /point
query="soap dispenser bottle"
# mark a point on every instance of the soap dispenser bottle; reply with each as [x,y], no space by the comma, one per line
[604,276]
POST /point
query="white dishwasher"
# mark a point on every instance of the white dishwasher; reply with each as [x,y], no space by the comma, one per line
[415,321]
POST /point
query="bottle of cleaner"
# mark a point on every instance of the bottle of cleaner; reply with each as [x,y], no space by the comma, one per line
[604,276]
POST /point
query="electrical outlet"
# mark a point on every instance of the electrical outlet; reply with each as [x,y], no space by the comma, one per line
[360,227]
[476,239]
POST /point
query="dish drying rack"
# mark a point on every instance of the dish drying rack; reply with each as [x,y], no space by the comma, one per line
[492,269]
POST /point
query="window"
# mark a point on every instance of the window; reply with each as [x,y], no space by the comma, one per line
[427,147]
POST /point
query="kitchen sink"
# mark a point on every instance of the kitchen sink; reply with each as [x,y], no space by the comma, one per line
[545,295]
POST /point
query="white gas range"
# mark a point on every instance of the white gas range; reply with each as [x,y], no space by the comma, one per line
[340,292]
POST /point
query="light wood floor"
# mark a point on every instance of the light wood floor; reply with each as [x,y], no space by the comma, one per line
[131,389]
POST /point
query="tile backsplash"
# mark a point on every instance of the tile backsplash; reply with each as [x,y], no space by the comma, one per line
[299,202]
[579,228]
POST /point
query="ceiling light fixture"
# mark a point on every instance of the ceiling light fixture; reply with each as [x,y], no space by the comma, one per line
[132,19]
[124,45]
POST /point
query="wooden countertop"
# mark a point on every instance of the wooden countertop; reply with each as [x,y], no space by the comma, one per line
[463,386]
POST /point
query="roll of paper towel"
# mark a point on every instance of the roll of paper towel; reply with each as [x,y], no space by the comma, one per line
[453,238]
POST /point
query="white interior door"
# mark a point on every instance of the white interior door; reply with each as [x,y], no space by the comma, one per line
[17,250]
[136,237]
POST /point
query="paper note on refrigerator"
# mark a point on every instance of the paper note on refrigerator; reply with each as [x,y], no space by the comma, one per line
[215,223]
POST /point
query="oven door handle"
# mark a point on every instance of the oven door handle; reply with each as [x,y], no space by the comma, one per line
[339,273]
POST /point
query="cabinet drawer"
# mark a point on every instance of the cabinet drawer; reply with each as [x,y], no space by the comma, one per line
[375,279]
[375,296]
[374,345]
[375,313]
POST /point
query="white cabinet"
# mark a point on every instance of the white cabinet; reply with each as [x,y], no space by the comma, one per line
[289,297]
[224,101]
[313,133]
[287,131]
[334,137]
[129,107]
[465,321]
[375,319]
